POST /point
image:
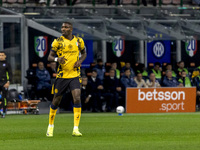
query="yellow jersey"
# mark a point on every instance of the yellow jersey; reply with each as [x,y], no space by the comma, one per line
[70,50]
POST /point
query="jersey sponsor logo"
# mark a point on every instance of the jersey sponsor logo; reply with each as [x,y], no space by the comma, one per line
[191,47]
[70,47]
[158,49]
[4,65]
[118,47]
[41,45]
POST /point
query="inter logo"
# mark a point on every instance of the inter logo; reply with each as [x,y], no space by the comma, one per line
[158,49]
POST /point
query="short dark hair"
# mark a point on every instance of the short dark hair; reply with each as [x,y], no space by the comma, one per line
[68,23]
[180,61]
[183,71]
[157,63]
[139,73]
[127,69]
[94,70]
[111,69]
[2,52]
[99,60]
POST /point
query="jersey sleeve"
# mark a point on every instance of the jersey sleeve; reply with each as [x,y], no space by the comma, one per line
[54,45]
[81,44]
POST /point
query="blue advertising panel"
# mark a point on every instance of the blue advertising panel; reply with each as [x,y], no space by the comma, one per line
[159,51]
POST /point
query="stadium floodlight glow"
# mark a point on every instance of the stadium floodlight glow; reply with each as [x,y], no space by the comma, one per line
[31,13]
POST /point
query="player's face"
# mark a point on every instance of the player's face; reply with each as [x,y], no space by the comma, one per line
[184,74]
[112,73]
[66,29]
[169,74]
[139,77]
[2,57]
[41,66]
[181,65]
[127,73]
[152,76]
[53,65]
[169,67]
[114,65]
[156,67]
[84,81]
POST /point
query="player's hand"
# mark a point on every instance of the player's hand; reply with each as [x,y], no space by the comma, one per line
[100,87]
[6,85]
[87,99]
[62,60]
[118,89]
[77,64]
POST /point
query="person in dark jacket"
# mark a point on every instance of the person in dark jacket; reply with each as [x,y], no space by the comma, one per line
[112,90]
[100,68]
[170,81]
[5,78]
[85,94]
[96,91]
[127,80]
[128,66]
[43,82]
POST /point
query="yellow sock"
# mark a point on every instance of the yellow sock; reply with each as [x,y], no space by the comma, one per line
[52,115]
[77,116]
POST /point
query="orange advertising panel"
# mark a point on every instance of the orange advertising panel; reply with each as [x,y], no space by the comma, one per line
[154,100]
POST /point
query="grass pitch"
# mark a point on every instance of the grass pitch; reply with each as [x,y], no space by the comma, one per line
[103,131]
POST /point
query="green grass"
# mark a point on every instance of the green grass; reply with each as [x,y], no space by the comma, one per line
[103,131]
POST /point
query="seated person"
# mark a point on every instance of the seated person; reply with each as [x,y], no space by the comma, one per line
[112,90]
[170,81]
[169,67]
[43,82]
[96,91]
[139,81]
[127,80]
[156,71]
[141,69]
[100,68]
[85,94]
[53,71]
[181,66]
[128,66]
[152,82]
[117,71]
[185,80]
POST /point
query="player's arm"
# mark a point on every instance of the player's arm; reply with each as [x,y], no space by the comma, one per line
[52,57]
[82,58]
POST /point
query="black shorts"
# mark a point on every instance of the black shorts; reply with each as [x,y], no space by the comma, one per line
[62,85]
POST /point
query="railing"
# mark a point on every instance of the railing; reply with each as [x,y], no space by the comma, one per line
[93,3]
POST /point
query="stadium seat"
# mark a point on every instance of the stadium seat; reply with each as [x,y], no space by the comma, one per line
[11,1]
[48,65]
[176,2]
[127,1]
[165,2]
[136,1]
[164,64]
[106,74]
[22,1]
[192,64]
[89,74]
